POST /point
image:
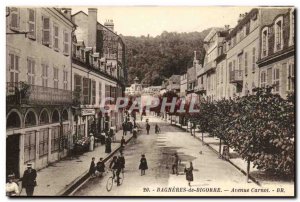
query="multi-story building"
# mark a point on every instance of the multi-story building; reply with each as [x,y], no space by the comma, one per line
[243,50]
[134,89]
[208,76]
[98,72]
[276,59]
[38,90]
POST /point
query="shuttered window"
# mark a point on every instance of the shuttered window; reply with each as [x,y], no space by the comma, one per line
[253,59]
[291,77]
[55,77]
[93,91]
[14,18]
[66,43]
[31,23]
[14,67]
[46,31]
[43,142]
[263,79]
[56,39]
[246,63]
[65,80]
[276,80]
[85,91]
[31,71]
[29,146]
[45,75]
[100,92]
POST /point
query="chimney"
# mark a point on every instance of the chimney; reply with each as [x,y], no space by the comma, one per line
[92,27]
[109,24]
[67,12]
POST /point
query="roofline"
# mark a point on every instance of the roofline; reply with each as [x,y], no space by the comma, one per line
[78,13]
[65,16]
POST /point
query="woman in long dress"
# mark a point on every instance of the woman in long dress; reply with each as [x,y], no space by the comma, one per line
[143,165]
[108,145]
[189,173]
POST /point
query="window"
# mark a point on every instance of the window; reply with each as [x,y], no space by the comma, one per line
[240,61]
[292,29]
[100,92]
[291,77]
[55,77]
[93,92]
[107,91]
[31,23]
[14,67]
[46,31]
[222,73]
[265,42]
[247,28]
[263,79]
[56,39]
[278,35]
[45,75]
[55,138]
[43,142]
[65,80]
[14,18]
[29,146]
[31,70]
[276,81]
[66,43]
[85,91]
[246,63]
[77,81]
[253,59]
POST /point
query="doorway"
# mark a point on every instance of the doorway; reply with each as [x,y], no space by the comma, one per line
[13,154]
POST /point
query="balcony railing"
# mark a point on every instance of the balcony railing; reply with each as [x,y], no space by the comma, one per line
[22,93]
[236,76]
[200,88]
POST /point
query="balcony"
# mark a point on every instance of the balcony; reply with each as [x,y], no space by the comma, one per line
[200,89]
[236,76]
[211,66]
[22,93]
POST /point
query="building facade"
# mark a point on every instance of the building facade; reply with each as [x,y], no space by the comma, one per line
[98,64]
[277,58]
[38,90]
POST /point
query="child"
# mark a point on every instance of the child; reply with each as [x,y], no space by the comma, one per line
[143,165]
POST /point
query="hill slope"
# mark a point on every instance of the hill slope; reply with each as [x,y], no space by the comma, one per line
[153,59]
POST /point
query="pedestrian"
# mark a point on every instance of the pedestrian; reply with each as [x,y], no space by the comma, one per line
[157,129]
[107,144]
[92,142]
[112,134]
[102,137]
[130,126]
[135,130]
[189,173]
[92,169]
[115,165]
[176,162]
[141,117]
[148,128]
[12,188]
[124,128]
[100,168]
[122,161]
[143,165]
[29,179]
[123,142]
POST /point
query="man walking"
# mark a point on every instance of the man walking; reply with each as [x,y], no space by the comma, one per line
[148,128]
[29,179]
[176,162]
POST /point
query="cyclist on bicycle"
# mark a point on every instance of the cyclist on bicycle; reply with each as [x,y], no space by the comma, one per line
[115,166]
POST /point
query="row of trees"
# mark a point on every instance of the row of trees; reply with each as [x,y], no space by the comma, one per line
[260,127]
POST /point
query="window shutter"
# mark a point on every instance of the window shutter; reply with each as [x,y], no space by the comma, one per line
[269,76]
[46,30]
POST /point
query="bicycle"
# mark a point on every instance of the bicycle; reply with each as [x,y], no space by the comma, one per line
[111,180]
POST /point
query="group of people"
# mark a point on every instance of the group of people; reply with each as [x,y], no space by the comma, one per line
[28,182]
[117,165]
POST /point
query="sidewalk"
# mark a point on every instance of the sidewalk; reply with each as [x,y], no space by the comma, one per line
[256,175]
[57,177]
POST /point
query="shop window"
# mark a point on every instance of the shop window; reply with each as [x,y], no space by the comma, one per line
[43,142]
[29,146]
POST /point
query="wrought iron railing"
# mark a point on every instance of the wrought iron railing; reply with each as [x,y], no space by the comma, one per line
[22,93]
[236,76]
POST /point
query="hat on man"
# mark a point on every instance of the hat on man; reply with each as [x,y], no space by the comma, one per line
[29,165]
[11,176]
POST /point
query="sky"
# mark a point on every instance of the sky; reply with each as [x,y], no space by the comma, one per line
[153,20]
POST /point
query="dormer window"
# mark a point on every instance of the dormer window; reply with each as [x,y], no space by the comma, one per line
[265,42]
[278,34]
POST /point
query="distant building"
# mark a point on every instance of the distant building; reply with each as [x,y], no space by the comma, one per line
[135,89]
[173,83]
[183,85]
[152,90]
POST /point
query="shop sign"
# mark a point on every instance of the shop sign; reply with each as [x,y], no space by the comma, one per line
[87,112]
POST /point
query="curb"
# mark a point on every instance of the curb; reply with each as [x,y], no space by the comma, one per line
[83,178]
[215,151]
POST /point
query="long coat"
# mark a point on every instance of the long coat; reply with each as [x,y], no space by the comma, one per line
[189,174]
[29,178]
[92,168]
[143,164]
[108,145]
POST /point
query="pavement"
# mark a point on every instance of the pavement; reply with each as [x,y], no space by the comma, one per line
[212,175]
[57,177]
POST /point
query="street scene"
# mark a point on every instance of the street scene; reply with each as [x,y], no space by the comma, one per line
[98,103]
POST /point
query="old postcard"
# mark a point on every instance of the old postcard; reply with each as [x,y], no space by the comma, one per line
[150,101]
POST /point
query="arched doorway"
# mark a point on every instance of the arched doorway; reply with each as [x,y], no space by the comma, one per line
[30,119]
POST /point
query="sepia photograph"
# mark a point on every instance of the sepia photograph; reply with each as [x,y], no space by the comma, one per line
[150,101]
